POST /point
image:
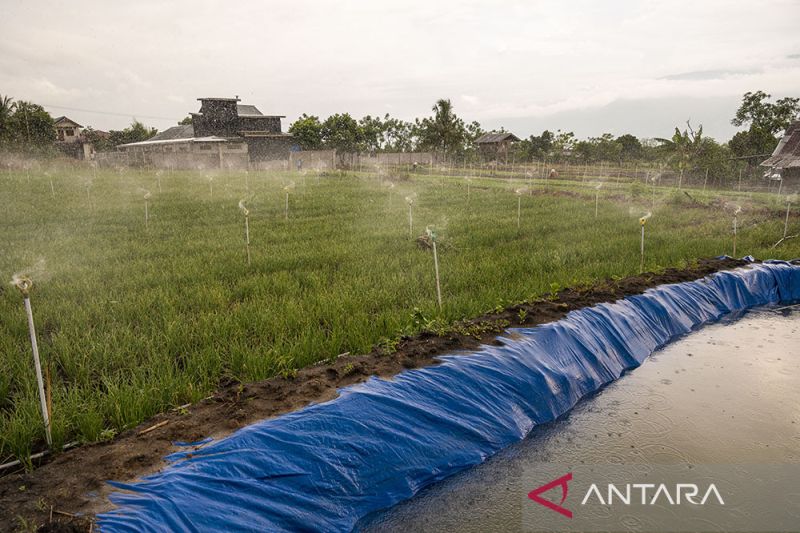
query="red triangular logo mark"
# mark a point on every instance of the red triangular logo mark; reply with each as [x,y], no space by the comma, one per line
[562,482]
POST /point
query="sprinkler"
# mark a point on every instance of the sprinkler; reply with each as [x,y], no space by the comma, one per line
[786,221]
[469,181]
[50,178]
[735,224]
[519,193]
[159,173]
[597,198]
[24,284]
[432,236]
[210,185]
[642,222]
[286,207]
[146,211]
[246,213]
[410,202]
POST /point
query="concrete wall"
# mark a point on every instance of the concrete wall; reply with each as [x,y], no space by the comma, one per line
[181,156]
[313,160]
[386,159]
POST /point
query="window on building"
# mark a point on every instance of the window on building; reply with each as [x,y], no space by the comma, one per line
[205,147]
[69,132]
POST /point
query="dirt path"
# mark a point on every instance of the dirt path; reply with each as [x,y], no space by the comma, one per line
[64,493]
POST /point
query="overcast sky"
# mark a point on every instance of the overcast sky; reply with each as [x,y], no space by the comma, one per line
[632,66]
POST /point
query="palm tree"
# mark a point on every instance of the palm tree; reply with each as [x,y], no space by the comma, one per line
[6,109]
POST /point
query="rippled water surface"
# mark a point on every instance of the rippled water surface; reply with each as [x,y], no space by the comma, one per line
[728,393]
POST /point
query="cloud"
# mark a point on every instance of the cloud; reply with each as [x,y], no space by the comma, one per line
[714,74]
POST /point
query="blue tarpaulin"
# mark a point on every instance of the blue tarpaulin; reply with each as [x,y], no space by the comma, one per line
[328,465]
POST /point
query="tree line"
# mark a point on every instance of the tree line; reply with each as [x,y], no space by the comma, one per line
[26,127]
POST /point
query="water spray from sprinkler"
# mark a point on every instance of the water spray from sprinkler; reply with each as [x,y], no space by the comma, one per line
[410,202]
[159,173]
[789,200]
[50,178]
[210,185]
[287,189]
[735,225]
[146,210]
[642,222]
[25,284]
[519,193]
[432,237]
[246,213]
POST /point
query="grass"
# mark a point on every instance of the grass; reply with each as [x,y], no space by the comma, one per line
[134,321]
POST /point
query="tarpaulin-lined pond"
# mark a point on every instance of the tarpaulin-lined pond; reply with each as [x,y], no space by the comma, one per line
[328,466]
[728,393]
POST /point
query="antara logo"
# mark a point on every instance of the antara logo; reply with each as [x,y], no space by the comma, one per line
[562,482]
[648,494]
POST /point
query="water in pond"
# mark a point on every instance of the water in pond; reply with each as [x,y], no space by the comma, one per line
[728,393]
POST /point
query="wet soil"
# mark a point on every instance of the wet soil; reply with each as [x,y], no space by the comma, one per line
[65,492]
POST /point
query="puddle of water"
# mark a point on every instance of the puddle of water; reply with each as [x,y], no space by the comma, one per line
[729,393]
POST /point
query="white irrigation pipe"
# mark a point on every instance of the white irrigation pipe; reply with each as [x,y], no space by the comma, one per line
[39,455]
[642,222]
[410,217]
[432,236]
[246,213]
[24,285]
[786,222]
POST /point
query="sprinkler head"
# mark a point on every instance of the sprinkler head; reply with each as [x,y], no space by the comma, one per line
[245,211]
[431,233]
[643,220]
[24,284]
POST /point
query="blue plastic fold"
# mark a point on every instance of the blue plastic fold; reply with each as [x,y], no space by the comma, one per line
[326,466]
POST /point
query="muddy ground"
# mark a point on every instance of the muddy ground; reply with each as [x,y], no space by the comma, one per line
[64,493]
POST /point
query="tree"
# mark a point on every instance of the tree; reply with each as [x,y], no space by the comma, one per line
[308,132]
[765,120]
[100,142]
[372,133]
[341,132]
[6,110]
[773,118]
[444,132]
[399,135]
[186,121]
[631,147]
[683,147]
[30,128]
[136,132]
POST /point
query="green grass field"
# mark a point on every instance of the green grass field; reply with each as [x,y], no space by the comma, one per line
[134,320]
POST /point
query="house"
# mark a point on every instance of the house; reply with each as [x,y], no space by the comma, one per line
[70,140]
[785,160]
[223,134]
[495,146]
[67,130]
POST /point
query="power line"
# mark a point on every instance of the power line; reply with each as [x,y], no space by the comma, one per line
[107,112]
